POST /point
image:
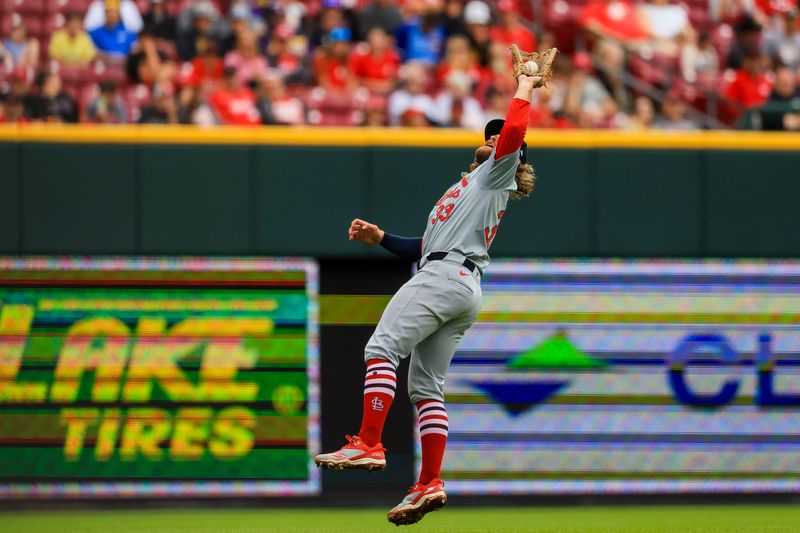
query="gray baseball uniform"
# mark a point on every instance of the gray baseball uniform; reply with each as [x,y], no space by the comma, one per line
[430,313]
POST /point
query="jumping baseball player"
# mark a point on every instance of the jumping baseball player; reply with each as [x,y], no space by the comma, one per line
[430,313]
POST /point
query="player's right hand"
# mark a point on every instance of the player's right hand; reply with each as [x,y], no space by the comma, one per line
[361,230]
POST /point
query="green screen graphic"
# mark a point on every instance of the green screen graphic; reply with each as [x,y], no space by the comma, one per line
[157,376]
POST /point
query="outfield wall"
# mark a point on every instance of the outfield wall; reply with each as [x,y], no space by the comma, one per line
[275,191]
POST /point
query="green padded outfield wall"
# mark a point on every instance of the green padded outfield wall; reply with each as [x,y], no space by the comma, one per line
[293,192]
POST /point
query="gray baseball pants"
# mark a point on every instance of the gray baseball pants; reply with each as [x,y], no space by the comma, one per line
[427,318]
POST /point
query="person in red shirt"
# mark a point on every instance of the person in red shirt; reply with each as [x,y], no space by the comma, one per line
[511,30]
[375,64]
[280,53]
[205,70]
[749,86]
[614,19]
[331,64]
[233,103]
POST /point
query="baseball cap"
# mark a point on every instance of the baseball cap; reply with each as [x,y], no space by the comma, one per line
[339,34]
[477,12]
[495,126]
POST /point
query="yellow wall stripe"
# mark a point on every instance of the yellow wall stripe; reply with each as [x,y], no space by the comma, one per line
[423,138]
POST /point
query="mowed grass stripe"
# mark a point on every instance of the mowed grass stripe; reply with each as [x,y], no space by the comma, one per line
[454,518]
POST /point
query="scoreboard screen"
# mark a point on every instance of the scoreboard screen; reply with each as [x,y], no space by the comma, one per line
[128,377]
[628,376]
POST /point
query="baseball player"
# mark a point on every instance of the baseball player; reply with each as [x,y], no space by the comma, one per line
[430,313]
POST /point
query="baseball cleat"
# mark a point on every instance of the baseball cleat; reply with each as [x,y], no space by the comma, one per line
[420,500]
[354,454]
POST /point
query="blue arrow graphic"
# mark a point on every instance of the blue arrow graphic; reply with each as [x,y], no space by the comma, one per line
[518,397]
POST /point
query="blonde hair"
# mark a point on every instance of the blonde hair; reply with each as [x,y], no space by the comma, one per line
[525,178]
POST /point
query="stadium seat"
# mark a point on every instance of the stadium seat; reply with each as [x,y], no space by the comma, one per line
[67,6]
[33,23]
[108,71]
[25,7]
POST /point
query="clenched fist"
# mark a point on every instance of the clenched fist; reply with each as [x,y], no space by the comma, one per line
[361,230]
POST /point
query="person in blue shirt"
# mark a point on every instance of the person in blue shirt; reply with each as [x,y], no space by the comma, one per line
[113,38]
[422,38]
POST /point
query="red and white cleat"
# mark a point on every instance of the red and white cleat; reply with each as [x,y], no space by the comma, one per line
[354,454]
[421,500]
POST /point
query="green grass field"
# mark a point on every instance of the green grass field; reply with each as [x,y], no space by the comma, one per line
[662,519]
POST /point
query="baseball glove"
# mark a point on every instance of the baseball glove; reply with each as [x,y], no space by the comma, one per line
[544,61]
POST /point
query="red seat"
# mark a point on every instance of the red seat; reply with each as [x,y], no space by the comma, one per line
[26,7]
[68,6]
[109,71]
[72,76]
[32,23]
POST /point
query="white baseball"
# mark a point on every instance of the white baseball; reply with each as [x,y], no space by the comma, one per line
[531,68]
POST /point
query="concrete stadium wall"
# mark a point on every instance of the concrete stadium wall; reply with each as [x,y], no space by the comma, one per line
[279,191]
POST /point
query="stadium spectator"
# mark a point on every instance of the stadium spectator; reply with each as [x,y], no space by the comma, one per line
[283,107]
[162,108]
[421,37]
[113,39]
[13,94]
[511,30]
[783,42]
[107,107]
[496,105]
[375,112]
[18,48]
[747,42]
[614,19]
[147,64]
[240,12]
[245,59]
[158,20]
[782,110]
[205,8]
[71,45]
[12,110]
[699,60]
[375,64]
[609,58]
[542,115]
[330,17]
[286,53]
[667,23]
[128,13]
[188,40]
[232,102]
[414,118]
[412,95]
[379,14]
[749,86]
[459,57]
[477,17]
[673,114]
[454,107]
[332,66]
[585,97]
[192,109]
[49,103]
[205,70]
[453,18]
[644,114]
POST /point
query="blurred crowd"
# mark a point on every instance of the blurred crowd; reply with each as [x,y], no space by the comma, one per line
[661,64]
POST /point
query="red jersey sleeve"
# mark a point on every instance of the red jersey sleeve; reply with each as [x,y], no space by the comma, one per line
[513,132]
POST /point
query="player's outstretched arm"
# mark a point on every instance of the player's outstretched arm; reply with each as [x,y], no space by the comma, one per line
[409,248]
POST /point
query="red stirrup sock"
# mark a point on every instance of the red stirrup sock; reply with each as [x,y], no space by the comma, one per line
[433,435]
[380,384]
